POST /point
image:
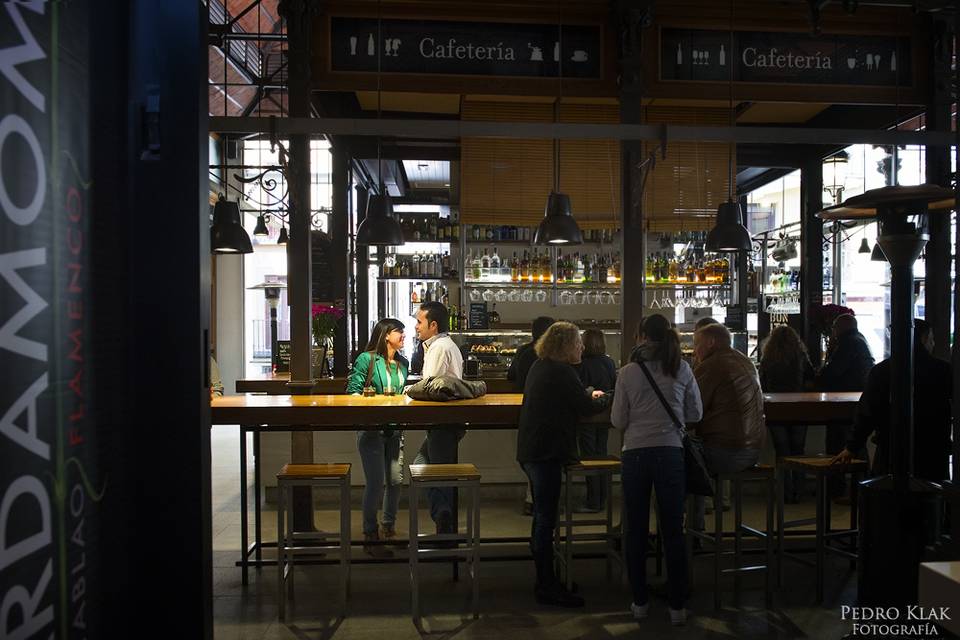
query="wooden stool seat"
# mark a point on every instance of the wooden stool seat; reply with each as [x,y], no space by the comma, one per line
[598,464]
[443,472]
[822,465]
[756,471]
[332,470]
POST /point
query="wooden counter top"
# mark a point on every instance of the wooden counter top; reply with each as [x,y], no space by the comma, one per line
[495,410]
[276,384]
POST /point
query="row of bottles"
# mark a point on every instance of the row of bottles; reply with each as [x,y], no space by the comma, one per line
[691,267]
[509,233]
[537,266]
[599,268]
[784,280]
[422,292]
[418,265]
[682,237]
[430,229]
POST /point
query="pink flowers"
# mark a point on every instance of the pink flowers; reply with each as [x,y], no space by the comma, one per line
[823,315]
[324,321]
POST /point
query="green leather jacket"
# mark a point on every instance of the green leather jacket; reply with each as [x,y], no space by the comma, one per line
[378,377]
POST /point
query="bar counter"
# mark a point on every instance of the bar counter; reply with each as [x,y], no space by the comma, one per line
[276,384]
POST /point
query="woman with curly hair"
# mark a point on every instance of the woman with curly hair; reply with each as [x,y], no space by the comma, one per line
[554,400]
[785,367]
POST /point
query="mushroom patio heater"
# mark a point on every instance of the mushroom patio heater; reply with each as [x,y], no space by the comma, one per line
[897,511]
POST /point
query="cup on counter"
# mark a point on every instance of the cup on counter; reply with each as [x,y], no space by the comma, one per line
[369,392]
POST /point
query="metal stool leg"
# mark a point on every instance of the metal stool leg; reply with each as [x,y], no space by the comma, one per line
[737,534]
[854,509]
[717,544]
[475,542]
[822,497]
[344,543]
[281,552]
[414,554]
[244,540]
[608,490]
[780,520]
[769,493]
[568,531]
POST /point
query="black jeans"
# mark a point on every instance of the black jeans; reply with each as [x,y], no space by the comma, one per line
[790,441]
[660,469]
[592,442]
[545,482]
[440,447]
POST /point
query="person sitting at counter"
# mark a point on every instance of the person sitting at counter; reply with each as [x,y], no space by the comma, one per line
[554,399]
[382,367]
[441,357]
[597,370]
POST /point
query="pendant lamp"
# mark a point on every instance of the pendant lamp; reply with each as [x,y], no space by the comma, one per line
[261,228]
[558,225]
[729,234]
[877,254]
[379,227]
[283,238]
[227,234]
[864,246]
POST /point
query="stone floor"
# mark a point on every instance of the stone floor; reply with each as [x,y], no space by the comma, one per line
[380,601]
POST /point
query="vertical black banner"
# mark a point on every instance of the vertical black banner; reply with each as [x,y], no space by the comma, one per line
[49,485]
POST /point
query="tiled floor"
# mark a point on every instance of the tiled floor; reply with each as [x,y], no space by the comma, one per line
[380,600]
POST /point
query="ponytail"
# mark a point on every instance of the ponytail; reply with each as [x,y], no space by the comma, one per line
[656,329]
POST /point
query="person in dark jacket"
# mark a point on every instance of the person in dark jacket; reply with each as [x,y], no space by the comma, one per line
[526,355]
[597,370]
[553,401]
[848,363]
[517,374]
[932,393]
[785,367]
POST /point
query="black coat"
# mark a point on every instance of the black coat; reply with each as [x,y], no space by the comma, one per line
[520,365]
[554,400]
[932,392]
[848,366]
[598,371]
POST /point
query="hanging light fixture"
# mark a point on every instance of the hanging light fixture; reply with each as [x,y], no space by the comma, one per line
[835,175]
[728,233]
[283,238]
[261,228]
[864,246]
[558,225]
[379,227]
[227,234]
[877,254]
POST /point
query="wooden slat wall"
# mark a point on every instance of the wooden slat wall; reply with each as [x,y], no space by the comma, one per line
[684,190]
[506,181]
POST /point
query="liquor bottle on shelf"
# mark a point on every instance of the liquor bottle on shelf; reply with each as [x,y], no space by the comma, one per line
[514,269]
[454,226]
[588,268]
[484,266]
[476,270]
[495,263]
[525,267]
[433,228]
[415,293]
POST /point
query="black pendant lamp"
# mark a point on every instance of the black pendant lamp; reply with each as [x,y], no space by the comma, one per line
[379,227]
[877,254]
[227,234]
[558,225]
[864,246]
[283,238]
[261,229]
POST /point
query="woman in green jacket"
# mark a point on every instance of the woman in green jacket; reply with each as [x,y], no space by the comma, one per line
[381,452]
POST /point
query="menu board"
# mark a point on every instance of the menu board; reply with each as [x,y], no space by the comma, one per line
[283,356]
[320,252]
[478,315]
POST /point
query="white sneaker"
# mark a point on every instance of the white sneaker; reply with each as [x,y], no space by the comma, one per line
[639,611]
[678,617]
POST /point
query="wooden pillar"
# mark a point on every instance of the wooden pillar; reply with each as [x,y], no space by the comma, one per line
[938,285]
[811,240]
[299,272]
[339,267]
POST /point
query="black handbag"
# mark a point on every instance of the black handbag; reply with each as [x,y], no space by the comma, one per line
[698,480]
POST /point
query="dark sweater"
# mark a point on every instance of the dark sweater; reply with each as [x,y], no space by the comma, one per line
[554,400]
[520,365]
[932,392]
[598,371]
[848,366]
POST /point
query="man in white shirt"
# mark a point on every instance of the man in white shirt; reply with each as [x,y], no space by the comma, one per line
[441,357]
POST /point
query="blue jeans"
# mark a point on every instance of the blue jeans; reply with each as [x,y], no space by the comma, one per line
[789,441]
[382,459]
[721,460]
[545,482]
[440,447]
[660,469]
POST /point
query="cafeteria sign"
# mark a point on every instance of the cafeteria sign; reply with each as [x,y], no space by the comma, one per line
[465,48]
[791,58]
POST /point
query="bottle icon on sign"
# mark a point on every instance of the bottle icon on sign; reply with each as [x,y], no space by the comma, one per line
[353,45]
[893,61]
[679,55]
[723,56]
[371,48]
[556,52]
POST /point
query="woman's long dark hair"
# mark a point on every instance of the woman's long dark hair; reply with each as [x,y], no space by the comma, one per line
[378,337]
[657,329]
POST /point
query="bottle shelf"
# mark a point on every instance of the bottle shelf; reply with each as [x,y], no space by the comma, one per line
[516,243]
[417,279]
[687,285]
[541,285]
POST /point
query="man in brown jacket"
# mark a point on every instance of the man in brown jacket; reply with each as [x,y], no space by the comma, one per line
[732,427]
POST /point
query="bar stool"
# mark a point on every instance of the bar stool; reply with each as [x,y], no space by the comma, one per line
[563,551]
[766,475]
[433,476]
[310,475]
[821,467]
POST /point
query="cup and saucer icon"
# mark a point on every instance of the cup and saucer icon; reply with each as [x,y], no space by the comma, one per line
[580,56]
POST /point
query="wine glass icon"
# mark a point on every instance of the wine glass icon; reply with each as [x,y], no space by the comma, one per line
[851,63]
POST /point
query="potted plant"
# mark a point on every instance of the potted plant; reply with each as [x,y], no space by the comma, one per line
[324,320]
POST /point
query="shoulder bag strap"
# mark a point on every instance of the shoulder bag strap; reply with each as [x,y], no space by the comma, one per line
[373,359]
[656,389]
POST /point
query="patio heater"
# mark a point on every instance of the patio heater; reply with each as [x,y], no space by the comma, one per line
[898,513]
[271,290]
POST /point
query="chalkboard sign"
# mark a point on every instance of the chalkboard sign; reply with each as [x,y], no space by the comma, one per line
[781,57]
[466,48]
[321,250]
[735,318]
[478,315]
[283,356]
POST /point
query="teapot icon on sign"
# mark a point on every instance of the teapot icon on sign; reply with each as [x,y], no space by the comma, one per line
[580,56]
[536,53]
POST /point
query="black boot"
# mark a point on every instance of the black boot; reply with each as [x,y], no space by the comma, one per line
[549,590]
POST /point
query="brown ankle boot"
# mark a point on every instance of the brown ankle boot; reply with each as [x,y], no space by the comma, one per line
[375,550]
